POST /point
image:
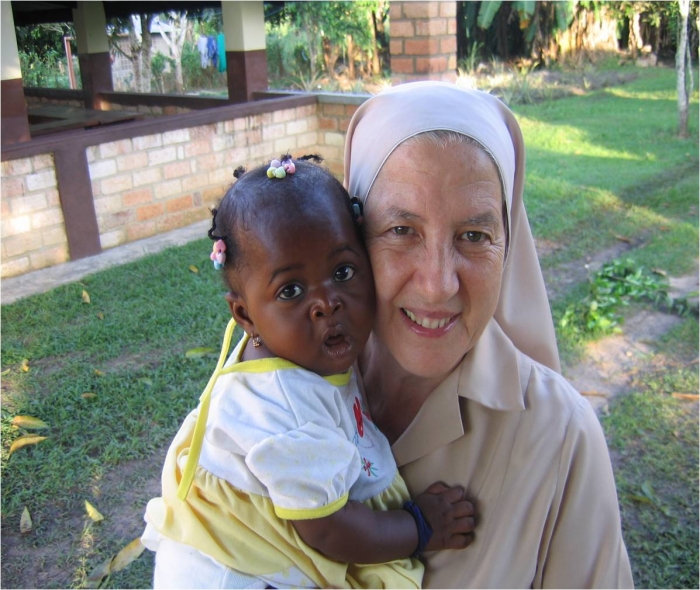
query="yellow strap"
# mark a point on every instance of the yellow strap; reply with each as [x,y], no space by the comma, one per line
[201,425]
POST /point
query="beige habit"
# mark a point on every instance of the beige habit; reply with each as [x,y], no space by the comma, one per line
[526,446]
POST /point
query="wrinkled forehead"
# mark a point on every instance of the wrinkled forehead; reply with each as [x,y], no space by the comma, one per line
[390,118]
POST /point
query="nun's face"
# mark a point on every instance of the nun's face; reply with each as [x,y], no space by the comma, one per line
[436,240]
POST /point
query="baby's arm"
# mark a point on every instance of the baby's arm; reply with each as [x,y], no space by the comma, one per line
[357,534]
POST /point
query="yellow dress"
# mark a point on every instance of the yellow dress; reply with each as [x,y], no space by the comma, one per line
[272,442]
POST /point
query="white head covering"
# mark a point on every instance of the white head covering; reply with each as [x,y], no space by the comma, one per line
[388,119]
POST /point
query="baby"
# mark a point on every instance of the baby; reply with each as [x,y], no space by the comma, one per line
[280,478]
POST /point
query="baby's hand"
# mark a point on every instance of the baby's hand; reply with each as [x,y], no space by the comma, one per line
[450,516]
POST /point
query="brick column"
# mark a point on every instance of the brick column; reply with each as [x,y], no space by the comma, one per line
[423,41]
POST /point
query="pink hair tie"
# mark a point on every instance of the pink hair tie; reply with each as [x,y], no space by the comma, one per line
[218,254]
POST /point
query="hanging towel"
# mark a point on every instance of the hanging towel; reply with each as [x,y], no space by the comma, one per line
[221,42]
[203,51]
[212,50]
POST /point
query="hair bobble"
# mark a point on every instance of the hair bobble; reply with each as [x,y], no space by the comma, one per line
[280,168]
[218,254]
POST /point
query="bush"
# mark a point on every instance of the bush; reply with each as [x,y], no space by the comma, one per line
[47,71]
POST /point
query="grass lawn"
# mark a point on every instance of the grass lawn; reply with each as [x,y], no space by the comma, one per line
[113,380]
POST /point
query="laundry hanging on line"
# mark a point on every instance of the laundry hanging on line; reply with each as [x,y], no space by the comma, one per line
[212,51]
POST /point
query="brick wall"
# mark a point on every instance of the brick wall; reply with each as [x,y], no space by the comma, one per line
[334,114]
[423,42]
[149,184]
[33,233]
[154,183]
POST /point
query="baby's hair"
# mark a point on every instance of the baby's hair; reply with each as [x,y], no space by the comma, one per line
[254,196]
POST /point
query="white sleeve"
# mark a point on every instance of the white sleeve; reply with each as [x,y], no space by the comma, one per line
[291,428]
[308,471]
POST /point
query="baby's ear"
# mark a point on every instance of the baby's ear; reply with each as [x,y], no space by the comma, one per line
[239,311]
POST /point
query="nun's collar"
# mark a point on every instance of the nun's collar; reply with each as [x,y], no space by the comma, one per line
[493,374]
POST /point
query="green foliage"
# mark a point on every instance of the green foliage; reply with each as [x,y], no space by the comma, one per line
[47,70]
[43,39]
[616,285]
[306,38]
[159,63]
[196,77]
[467,66]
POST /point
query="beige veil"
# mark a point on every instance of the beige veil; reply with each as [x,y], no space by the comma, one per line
[389,118]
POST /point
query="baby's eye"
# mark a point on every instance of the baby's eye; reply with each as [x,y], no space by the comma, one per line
[290,292]
[401,230]
[344,273]
[473,236]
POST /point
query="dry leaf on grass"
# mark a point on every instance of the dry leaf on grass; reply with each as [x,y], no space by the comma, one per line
[25,522]
[29,422]
[121,560]
[25,365]
[93,512]
[25,440]
[194,269]
[86,296]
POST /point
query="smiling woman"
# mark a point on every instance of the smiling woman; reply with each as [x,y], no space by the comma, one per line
[451,250]
[462,370]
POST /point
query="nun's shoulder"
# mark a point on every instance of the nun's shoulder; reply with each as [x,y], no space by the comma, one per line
[549,397]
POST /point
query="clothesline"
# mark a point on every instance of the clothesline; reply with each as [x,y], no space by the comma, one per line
[212,51]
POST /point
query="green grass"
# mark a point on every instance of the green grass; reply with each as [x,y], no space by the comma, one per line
[609,165]
[128,348]
[598,166]
[654,438]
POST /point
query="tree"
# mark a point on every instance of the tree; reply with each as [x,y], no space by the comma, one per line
[538,21]
[334,28]
[682,64]
[175,40]
[138,27]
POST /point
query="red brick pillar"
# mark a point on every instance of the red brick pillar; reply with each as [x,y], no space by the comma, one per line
[423,41]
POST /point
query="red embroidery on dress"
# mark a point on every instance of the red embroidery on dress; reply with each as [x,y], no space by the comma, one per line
[358,416]
[369,468]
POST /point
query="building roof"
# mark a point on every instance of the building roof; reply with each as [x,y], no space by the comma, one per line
[34,12]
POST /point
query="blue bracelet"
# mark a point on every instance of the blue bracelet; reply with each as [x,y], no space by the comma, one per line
[425,531]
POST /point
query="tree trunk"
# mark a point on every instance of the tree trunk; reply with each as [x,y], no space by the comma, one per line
[179,24]
[634,40]
[330,56]
[681,65]
[376,66]
[145,52]
[352,52]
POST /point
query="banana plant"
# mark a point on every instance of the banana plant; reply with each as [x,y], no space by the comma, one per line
[564,13]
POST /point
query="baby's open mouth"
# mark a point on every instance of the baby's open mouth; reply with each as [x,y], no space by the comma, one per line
[335,340]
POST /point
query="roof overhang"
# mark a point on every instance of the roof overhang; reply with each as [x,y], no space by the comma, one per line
[30,12]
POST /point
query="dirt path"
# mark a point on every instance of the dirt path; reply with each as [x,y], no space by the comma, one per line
[610,364]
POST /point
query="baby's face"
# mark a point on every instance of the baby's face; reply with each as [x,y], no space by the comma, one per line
[308,288]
